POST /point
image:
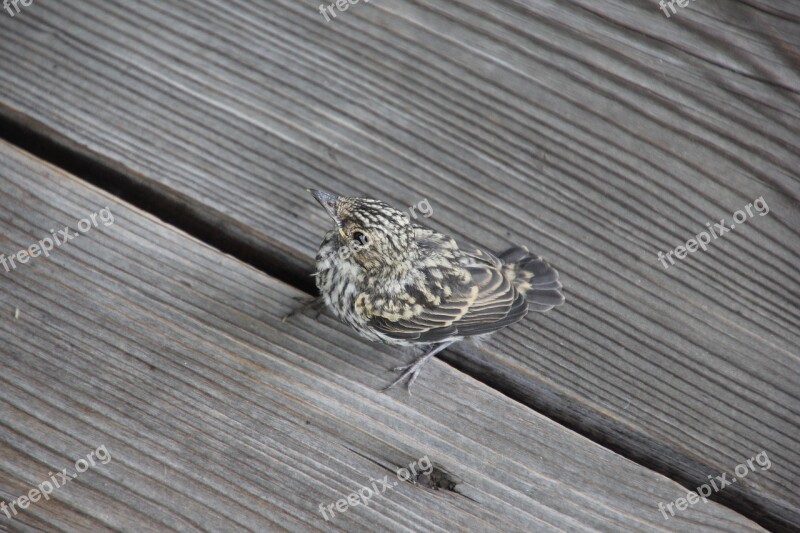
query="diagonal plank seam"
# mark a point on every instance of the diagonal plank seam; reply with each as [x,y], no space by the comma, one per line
[74,159]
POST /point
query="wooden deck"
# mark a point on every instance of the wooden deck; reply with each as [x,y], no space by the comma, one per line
[596,133]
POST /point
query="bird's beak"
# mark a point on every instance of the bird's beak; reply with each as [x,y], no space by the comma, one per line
[329,202]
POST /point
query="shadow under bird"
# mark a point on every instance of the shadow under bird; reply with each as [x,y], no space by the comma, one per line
[400,283]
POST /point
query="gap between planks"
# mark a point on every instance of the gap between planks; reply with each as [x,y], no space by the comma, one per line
[84,166]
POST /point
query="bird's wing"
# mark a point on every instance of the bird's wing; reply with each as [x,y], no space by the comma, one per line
[484,301]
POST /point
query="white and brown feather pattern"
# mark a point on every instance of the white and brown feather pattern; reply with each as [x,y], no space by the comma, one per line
[488,302]
[414,285]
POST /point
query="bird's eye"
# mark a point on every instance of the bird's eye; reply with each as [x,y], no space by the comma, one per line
[360,238]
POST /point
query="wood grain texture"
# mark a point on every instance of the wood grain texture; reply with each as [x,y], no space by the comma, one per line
[595,133]
[218,416]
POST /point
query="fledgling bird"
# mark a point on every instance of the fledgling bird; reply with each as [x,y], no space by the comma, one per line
[400,283]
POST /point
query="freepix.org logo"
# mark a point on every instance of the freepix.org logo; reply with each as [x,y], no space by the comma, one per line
[44,489]
[717,483]
[56,239]
[704,238]
[12,6]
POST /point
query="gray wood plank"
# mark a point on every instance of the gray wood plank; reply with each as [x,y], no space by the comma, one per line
[596,134]
[218,416]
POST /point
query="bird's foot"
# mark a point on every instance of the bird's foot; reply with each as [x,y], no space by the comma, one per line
[306,303]
[411,371]
[408,371]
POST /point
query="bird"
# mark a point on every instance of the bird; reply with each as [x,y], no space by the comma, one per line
[400,283]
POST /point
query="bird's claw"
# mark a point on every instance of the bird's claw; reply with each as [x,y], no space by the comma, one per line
[408,371]
[411,371]
[307,303]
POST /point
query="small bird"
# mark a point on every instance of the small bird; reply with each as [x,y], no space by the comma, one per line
[400,283]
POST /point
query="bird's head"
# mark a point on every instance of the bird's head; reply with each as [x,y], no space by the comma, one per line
[370,233]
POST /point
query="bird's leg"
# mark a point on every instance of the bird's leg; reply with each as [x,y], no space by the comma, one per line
[316,303]
[412,371]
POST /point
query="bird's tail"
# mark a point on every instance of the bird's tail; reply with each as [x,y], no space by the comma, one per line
[534,277]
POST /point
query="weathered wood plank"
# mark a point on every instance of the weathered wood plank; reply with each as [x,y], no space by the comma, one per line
[218,416]
[608,133]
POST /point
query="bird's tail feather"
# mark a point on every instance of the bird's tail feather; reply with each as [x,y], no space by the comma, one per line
[535,277]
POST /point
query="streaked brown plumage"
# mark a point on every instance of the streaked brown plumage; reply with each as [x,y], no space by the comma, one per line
[400,283]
